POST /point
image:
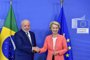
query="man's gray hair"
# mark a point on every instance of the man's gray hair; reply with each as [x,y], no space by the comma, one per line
[25,21]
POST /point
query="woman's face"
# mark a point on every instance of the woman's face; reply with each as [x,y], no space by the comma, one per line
[54,29]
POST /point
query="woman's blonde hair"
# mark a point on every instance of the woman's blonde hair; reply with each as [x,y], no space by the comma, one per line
[54,22]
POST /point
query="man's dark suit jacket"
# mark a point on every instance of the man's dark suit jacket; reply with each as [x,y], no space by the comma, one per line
[23,46]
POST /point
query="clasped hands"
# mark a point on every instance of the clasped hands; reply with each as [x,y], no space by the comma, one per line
[36,49]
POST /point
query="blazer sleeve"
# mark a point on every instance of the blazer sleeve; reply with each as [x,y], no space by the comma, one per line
[64,45]
[44,48]
[19,44]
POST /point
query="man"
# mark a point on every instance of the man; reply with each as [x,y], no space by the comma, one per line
[25,42]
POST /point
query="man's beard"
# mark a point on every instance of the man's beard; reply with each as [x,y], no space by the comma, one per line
[25,30]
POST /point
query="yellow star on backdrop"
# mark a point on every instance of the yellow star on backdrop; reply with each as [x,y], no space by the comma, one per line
[68,40]
[67,55]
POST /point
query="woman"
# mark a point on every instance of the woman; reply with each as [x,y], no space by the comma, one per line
[55,43]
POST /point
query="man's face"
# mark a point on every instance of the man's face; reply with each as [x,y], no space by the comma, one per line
[26,26]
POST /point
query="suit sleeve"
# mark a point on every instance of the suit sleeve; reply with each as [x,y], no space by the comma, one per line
[20,46]
[64,45]
[44,48]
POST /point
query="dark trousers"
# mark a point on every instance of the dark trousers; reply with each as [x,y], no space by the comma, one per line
[53,57]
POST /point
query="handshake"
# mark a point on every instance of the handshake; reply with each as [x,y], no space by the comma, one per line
[36,49]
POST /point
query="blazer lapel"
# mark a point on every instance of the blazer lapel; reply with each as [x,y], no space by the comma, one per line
[51,40]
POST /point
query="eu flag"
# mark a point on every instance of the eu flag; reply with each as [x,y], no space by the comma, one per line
[64,31]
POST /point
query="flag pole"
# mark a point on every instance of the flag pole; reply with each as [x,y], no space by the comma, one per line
[10,2]
[11,26]
[61,2]
[11,14]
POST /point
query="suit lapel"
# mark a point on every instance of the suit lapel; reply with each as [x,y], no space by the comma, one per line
[31,38]
[26,36]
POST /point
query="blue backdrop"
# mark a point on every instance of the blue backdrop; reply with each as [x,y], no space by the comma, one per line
[41,12]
